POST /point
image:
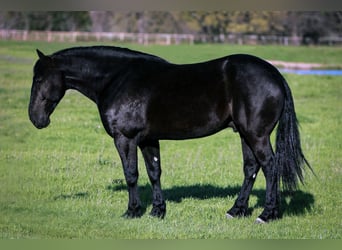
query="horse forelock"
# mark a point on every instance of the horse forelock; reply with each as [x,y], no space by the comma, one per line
[39,67]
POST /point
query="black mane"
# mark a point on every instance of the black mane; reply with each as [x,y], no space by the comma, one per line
[105,52]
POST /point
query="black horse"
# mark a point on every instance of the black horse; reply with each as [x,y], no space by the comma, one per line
[143,99]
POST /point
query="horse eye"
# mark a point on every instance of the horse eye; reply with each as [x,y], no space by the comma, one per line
[38,80]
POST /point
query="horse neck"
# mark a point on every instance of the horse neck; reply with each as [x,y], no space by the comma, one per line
[78,76]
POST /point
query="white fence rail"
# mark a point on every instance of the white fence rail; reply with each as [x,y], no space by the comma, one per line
[74,36]
[166,39]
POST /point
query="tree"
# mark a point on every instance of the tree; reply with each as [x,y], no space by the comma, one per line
[71,21]
[47,20]
[311,25]
[147,22]
[101,21]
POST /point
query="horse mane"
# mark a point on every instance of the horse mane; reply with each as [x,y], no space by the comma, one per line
[107,51]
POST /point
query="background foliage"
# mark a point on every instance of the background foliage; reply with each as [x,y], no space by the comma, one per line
[310,25]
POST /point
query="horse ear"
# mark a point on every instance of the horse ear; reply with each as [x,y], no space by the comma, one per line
[44,58]
[40,54]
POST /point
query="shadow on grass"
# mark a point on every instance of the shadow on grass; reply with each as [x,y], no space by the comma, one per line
[294,203]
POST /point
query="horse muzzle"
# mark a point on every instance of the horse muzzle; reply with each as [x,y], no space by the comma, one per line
[40,122]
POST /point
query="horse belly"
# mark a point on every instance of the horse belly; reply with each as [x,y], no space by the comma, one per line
[187,120]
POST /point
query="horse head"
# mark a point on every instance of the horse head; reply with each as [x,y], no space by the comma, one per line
[47,90]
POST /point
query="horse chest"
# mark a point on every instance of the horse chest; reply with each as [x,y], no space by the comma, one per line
[127,118]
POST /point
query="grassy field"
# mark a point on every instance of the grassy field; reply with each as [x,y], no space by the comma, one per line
[66,181]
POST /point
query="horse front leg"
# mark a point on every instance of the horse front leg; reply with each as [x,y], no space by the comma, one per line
[127,149]
[151,153]
[250,169]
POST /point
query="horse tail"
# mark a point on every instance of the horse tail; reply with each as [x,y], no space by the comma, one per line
[289,158]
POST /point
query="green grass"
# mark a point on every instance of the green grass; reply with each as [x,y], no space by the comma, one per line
[66,181]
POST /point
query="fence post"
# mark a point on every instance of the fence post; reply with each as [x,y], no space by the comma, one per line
[168,39]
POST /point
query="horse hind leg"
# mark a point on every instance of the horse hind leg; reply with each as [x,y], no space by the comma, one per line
[263,152]
[250,168]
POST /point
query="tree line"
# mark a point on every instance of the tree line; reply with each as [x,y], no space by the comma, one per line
[310,26]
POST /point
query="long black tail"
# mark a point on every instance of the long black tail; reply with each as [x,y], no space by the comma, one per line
[289,158]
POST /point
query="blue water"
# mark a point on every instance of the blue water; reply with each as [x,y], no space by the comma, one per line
[327,72]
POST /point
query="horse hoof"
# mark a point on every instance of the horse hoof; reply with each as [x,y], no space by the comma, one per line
[132,214]
[229,216]
[158,212]
[260,221]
